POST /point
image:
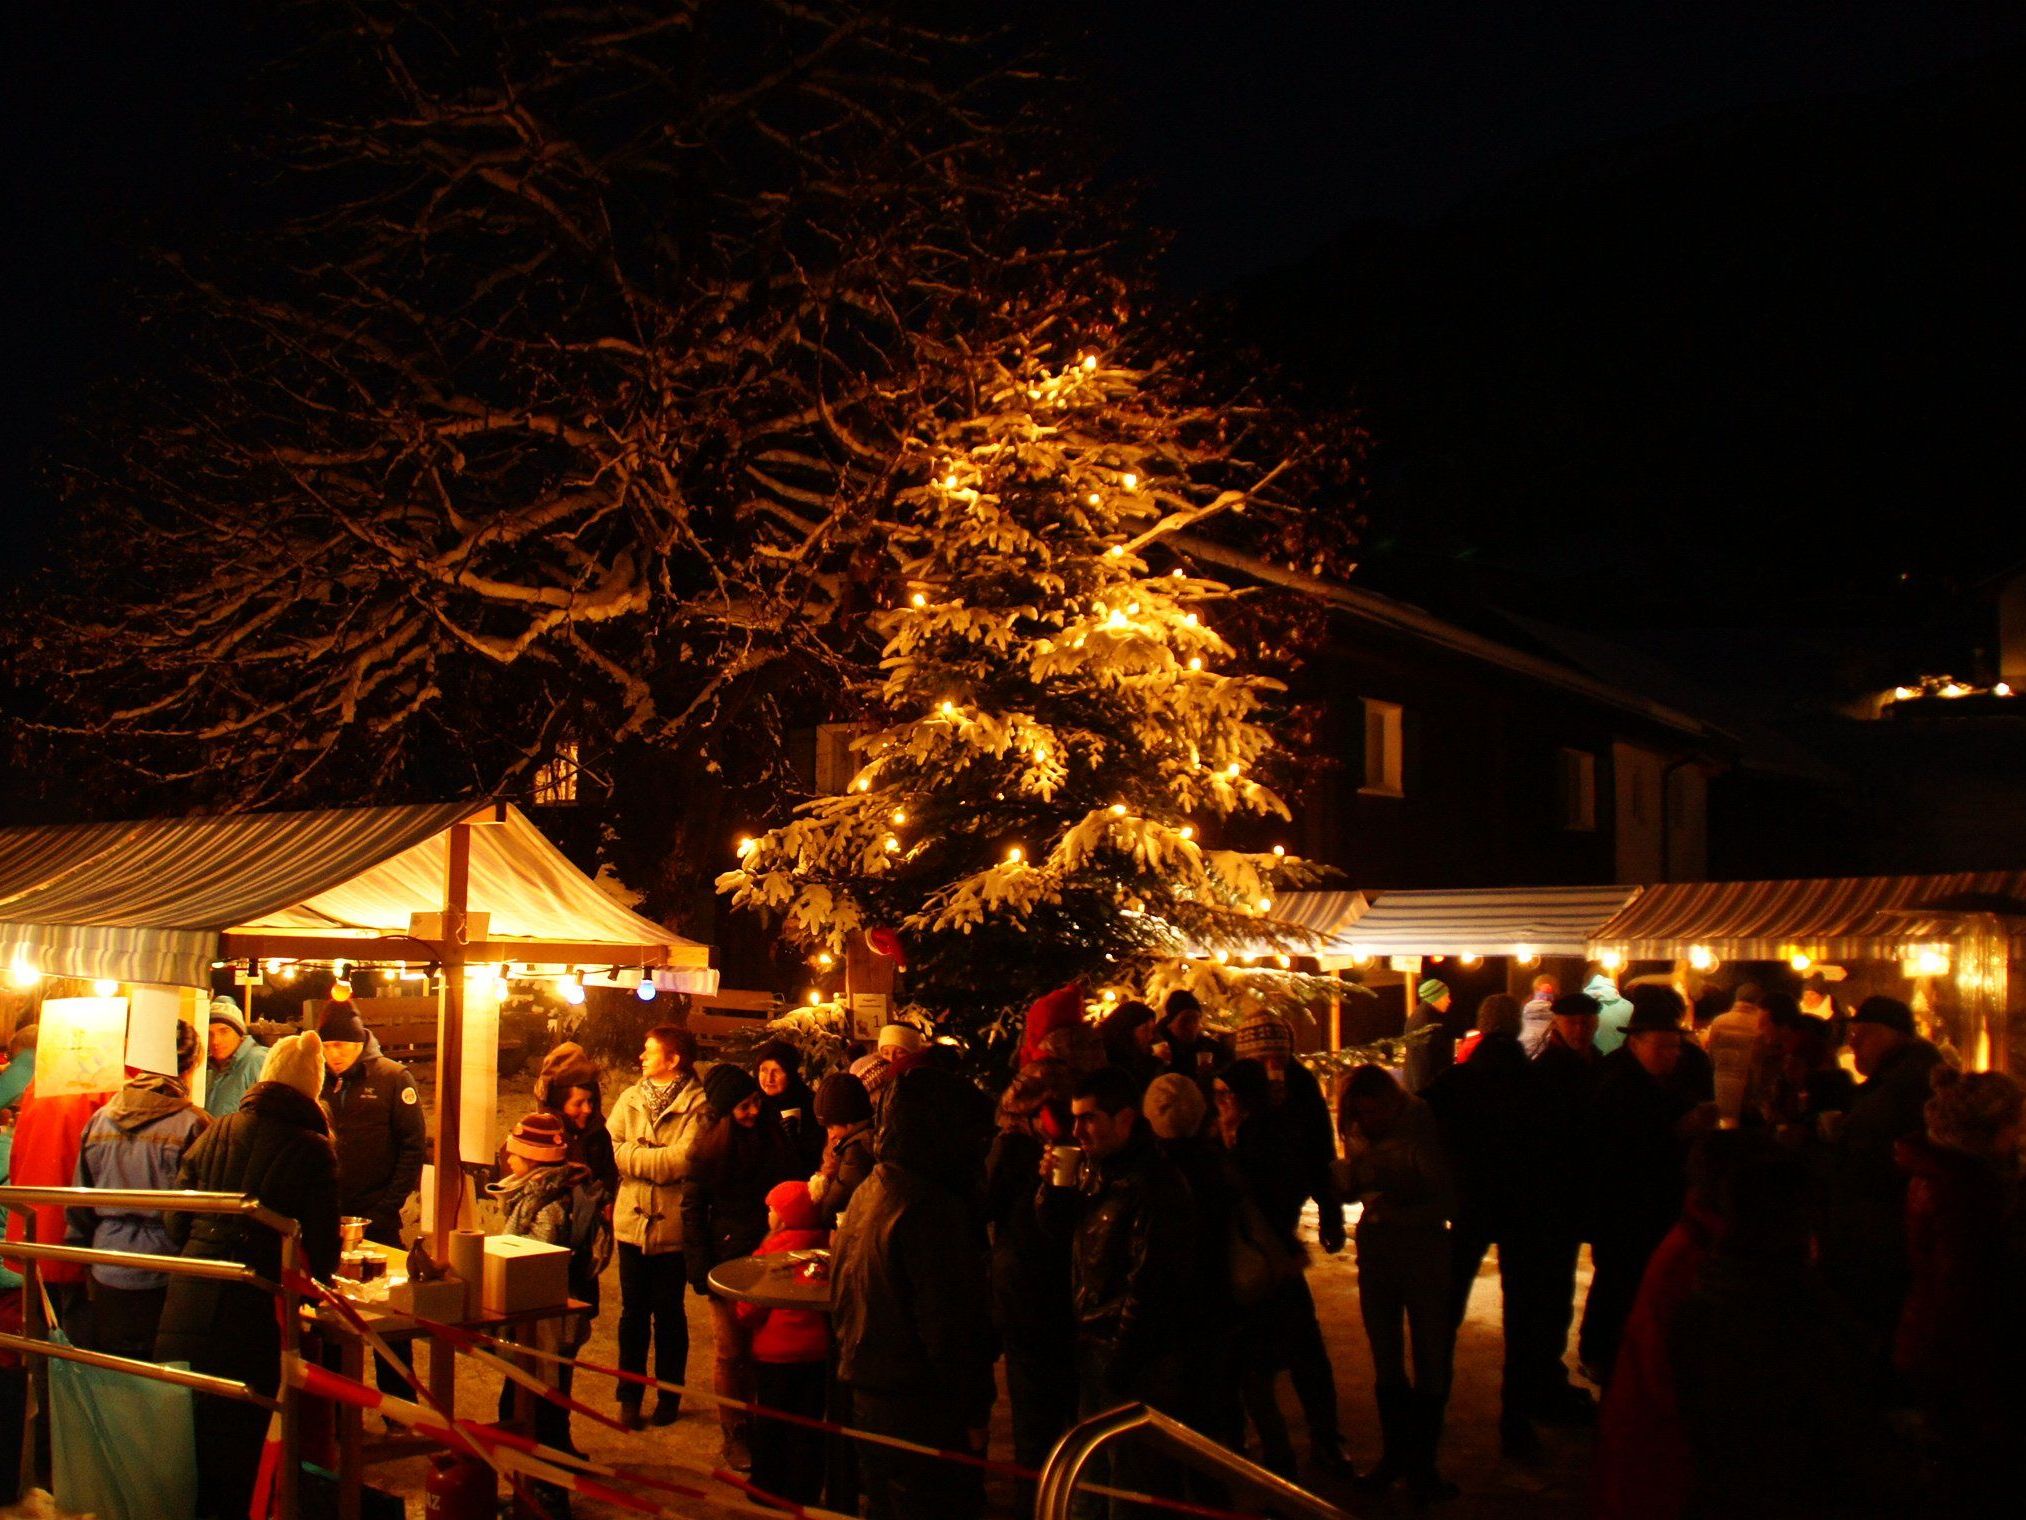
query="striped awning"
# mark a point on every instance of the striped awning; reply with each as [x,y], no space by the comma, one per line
[152,901]
[1482,921]
[1298,922]
[1826,918]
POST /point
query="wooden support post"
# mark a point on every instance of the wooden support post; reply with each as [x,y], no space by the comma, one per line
[450,1043]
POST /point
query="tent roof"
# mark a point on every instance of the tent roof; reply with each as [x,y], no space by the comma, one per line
[1828,917]
[1481,921]
[158,900]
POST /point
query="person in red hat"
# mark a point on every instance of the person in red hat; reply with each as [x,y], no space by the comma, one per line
[791,1359]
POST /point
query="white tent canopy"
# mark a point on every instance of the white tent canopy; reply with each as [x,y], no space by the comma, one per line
[1482,921]
[160,900]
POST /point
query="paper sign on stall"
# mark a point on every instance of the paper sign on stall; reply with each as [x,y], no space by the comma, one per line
[82,1046]
[151,1029]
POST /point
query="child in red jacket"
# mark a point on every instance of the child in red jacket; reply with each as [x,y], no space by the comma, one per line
[791,1357]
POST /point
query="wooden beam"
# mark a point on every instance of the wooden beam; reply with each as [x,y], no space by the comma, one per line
[450,1041]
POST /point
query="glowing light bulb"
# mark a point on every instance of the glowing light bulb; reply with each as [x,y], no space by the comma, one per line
[271,966]
[1015,855]
[2002,689]
[1233,771]
[746,843]
[1902,693]
[1118,810]
[1284,961]
[899,815]
[1526,955]
[1280,849]
[1033,394]
[341,991]
[646,990]
[1701,958]
[1800,961]
[892,844]
[1041,754]
[1116,620]
[948,708]
[1611,961]
[1133,608]
[1222,957]
[1094,499]
[825,959]
[862,784]
[1130,481]
[572,991]
[1176,574]
[1469,959]
[1192,620]
[1187,831]
[813,995]
[1265,905]
[1195,662]
[1117,551]
[1089,362]
[950,482]
[22,975]
[106,987]
[920,599]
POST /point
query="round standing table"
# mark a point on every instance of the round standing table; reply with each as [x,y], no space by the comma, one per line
[780,1281]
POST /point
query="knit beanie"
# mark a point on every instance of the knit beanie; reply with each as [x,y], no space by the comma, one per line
[899,1037]
[841,1099]
[1432,990]
[782,1054]
[539,1137]
[225,1011]
[341,1025]
[1264,1037]
[792,1202]
[873,1072]
[1173,1106]
[565,1067]
[726,1086]
[297,1061]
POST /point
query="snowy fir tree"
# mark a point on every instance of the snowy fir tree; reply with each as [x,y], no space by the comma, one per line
[1059,740]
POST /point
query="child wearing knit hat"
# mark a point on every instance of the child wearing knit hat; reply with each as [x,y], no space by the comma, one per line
[791,1359]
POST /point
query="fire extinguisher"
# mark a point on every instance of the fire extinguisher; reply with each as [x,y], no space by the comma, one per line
[459,1488]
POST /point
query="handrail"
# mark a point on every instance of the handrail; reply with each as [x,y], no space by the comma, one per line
[36,1349]
[142,1261]
[1061,1473]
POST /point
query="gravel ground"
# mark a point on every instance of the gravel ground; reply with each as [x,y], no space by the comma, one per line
[1492,1488]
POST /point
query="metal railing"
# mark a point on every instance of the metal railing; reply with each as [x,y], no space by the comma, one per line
[34,1343]
[1062,1473]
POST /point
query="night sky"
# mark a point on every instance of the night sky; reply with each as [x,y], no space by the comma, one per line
[1258,131]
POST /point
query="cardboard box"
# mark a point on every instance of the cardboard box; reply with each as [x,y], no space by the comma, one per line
[524,1274]
[442,1300]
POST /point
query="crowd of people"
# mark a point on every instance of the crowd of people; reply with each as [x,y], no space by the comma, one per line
[1803,1285]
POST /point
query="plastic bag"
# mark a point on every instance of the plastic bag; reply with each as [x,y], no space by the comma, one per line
[120,1447]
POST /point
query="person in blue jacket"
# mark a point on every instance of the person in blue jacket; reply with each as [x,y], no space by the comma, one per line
[136,1141]
[236,1059]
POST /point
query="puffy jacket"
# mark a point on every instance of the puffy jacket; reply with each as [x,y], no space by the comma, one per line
[225,1085]
[653,1157]
[788,1335]
[724,1197]
[382,1139]
[1132,1254]
[135,1141]
[46,1141]
[1613,1013]
[908,1283]
[276,1148]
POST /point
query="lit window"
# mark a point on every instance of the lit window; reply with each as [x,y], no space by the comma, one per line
[1576,781]
[1384,749]
[556,779]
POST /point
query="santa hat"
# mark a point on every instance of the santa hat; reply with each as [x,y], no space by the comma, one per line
[1060,1009]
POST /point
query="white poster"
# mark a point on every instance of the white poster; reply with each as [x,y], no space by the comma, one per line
[151,1029]
[82,1046]
[476,1140]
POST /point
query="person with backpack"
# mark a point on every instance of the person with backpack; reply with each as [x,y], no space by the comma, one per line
[791,1359]
[546,1196]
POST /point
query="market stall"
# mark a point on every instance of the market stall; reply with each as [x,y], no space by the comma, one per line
[458,896]
[1951,945]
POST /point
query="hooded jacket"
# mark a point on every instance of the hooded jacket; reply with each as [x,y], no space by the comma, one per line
[562,1204]
[908,1291]
[790,1335]
[1612,1013]
[225,1085]
[381,1136]
[136,1141]
[652,1155]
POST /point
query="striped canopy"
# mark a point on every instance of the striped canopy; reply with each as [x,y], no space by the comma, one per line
[154,900]
[1827,918]
[1481,921]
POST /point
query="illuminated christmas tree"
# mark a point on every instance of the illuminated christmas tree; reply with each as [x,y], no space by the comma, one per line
[1059,736]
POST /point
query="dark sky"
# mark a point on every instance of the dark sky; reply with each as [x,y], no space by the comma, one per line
[1259,128]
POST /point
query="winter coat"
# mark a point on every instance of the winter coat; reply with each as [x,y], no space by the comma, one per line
[1537,1022]
[1433,1051]
[1644,1465]
[1613,1012]
[724,1195]
[136,1141]
[1030,1266]
[1864,1229]
[1565,1085]
[225,1085]
[1403,1178]
[1639,1147]
[653,1157]
[1488,1112]
[788,1335]
[382,1140]
[46,1141]
[804,1135]
[562,1205]
[1951,1343]
[276,1147]
[908,1288]
[1287,1156]
[1132,1254]
[847,1161]
[1218,1193]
